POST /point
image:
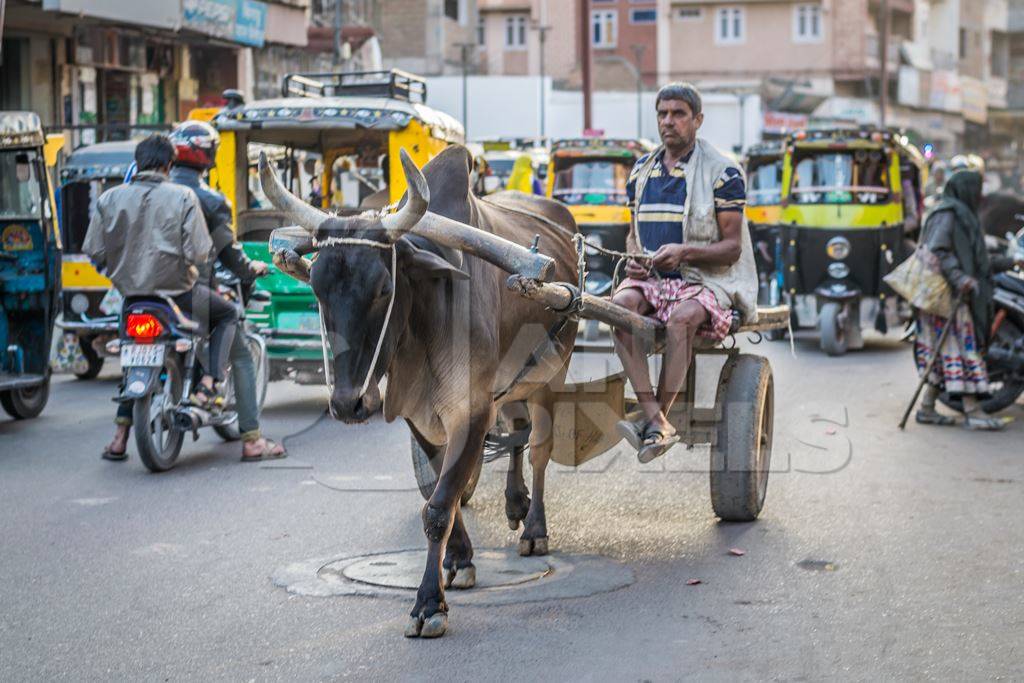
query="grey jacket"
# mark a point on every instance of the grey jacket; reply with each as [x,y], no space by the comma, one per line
[149,236]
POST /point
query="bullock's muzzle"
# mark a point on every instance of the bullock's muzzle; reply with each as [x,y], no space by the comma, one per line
[352,407]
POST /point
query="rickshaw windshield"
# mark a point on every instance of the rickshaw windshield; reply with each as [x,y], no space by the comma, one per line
[765,183]
[20,185]
[847,177]
[598,182]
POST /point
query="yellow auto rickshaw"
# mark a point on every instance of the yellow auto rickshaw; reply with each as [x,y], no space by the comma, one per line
[763,164]
[91,305]
[847,206]
[335,140]
[589,176]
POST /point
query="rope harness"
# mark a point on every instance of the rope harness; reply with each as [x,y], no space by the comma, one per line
[335,241]
[581,244]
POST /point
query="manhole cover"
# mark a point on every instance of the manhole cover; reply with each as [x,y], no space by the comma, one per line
[404,569]
[502,576]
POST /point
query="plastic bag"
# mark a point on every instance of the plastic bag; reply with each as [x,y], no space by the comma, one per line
[920,281]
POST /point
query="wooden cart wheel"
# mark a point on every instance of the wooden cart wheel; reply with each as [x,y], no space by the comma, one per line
[741,458]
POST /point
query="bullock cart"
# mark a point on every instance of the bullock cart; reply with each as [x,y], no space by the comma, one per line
[738,427]
[359,258]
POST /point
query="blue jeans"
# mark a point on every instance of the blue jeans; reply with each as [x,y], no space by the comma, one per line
[243,372]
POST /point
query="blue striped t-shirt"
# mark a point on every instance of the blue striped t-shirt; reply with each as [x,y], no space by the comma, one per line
[660,211]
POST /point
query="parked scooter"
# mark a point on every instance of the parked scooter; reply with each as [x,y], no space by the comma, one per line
[158,346]
[1005,354]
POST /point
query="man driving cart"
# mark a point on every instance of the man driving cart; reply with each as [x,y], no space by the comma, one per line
[697,266]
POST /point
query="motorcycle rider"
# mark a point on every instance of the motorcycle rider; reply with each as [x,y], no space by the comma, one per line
[196,143]
[149,237]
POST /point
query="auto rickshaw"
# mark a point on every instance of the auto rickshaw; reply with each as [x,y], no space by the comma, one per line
[589,175]
[763,165]
[29,261]
[335,140]
[91,305]
[843,227]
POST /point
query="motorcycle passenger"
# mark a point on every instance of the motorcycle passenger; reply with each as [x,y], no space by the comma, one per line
[150,238]
[953,233]
[195,144]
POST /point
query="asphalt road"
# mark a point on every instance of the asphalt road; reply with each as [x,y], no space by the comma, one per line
[879,554]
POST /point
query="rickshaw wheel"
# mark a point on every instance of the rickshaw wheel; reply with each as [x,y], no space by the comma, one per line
[741,457]
[94,360]
[426,475]
[832,328]
[23,404]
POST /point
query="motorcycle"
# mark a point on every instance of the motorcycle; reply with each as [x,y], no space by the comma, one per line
[158,346]
[1004,356]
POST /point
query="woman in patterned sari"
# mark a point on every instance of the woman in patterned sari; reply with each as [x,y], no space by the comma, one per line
[954,235]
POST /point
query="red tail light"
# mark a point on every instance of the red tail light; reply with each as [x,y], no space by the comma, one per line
[143,327]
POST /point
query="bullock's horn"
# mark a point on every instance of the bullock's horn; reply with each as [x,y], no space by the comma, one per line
[416,200]
[294,208]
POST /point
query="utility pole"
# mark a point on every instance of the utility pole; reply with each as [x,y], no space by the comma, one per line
[585,64]
[338,18]
[883,81]
[638,52]
[542,31]
[464,49]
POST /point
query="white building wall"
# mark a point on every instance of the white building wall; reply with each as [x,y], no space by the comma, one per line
[509,106]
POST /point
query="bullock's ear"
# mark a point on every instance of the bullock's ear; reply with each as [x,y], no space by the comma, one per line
[421,264]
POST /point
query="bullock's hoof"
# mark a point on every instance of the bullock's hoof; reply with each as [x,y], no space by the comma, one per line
[533,546]
[413,628]
[460,578]
[434,626]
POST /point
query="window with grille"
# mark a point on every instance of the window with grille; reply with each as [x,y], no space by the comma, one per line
[730,25]
[604,28]
[806,23]
[515,32]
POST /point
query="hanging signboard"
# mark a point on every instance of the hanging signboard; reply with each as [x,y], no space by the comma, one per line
[241,21]
[974,98]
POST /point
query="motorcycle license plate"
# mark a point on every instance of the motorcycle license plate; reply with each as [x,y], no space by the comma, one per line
[142,355]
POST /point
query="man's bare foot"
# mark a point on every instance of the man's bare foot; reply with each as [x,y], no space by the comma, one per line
[262,449]
[118,447]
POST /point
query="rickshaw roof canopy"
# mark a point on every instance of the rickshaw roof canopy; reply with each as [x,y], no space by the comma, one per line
[20,129]
[600,147]
[102,160]
[338,113]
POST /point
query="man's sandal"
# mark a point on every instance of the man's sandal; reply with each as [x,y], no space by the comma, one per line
[932,417]
[269,452]
[656,443]
[632,432]
[114,457]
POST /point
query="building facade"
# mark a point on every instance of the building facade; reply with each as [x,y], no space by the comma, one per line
[111,69]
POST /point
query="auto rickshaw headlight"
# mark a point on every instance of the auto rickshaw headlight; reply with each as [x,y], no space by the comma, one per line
[838,270]
[838,248]
[79,303]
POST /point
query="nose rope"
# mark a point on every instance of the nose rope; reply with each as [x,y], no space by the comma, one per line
[328,375]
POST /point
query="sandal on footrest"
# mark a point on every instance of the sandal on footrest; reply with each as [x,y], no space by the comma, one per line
[211,400]
[656,443]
